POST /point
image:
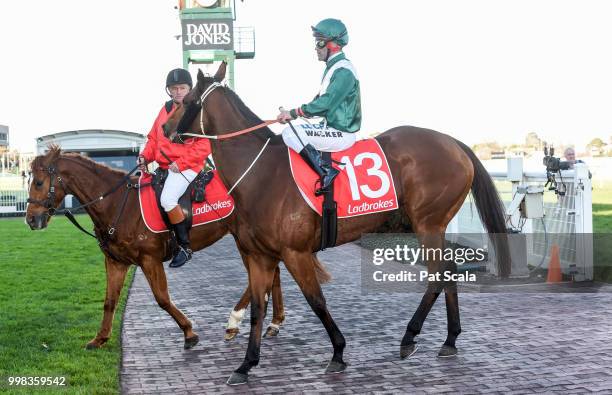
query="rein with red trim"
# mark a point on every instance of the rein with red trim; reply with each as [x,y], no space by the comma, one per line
[233,134]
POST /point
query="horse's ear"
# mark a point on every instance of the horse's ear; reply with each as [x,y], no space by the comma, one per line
[220,74]
[200,77]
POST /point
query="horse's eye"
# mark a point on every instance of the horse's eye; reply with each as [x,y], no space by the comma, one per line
[39,183]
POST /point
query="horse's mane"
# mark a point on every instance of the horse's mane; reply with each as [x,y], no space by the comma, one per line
[246,112]
[55,153]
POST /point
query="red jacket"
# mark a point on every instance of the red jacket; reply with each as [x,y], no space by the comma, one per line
[190,155]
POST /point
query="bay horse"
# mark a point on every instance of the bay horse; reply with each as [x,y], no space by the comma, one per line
[432,172]
[132,243]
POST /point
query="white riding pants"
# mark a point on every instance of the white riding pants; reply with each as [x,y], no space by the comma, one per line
[175,187]
[323,138]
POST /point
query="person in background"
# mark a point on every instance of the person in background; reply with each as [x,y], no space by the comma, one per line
[570,156]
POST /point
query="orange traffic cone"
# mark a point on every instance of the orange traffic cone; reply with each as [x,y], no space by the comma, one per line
[554,266]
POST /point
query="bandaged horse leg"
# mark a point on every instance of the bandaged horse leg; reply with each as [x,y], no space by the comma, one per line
[278,308]
[237,314]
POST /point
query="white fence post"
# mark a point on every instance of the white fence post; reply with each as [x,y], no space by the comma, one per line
[584,220]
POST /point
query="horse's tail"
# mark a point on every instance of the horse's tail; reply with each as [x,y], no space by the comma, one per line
[490,209]
[322,274]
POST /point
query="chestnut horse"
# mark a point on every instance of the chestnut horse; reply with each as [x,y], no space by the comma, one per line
[131,243]
[432,172]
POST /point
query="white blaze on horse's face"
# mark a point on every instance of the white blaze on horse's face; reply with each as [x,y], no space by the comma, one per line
[36,215]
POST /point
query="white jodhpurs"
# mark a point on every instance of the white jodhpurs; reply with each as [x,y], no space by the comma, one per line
[323,138]
[175,187]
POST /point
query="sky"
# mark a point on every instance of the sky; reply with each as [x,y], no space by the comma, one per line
[479,70]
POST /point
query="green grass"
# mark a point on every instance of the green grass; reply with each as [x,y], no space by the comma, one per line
[602,208]
[602,229]
[52,287]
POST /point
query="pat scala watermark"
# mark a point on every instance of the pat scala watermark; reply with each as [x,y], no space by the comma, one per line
[446,260]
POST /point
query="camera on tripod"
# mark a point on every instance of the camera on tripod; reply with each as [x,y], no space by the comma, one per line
[554,165]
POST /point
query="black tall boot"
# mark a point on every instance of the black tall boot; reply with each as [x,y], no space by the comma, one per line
[325,170]
[182,237]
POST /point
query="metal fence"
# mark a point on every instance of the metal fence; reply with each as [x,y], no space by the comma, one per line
[13,201]
[567,222]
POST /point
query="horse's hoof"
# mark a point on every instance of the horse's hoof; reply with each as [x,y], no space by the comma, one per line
[92,345]
[190,342]
[95,344]
[408,351]
[447,351]
[271,331]
[231,333]
[335,367]
[237,379]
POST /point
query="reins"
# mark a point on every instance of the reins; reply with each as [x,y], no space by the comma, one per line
[203,135]
[233,134]
[51,211]
[225,136]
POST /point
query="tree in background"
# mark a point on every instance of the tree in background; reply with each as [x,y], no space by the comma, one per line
[532,140]
[484,150]
[595,147]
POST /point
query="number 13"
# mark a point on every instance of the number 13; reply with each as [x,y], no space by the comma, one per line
[372,171]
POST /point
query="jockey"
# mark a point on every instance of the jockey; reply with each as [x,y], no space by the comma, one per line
[338,102]
[185,161]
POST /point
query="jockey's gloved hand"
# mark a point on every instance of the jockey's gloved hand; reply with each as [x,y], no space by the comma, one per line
[284,116]
[142,164]
[174,167]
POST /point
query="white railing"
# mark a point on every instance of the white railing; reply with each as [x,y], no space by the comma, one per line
[13,201]
[567,222]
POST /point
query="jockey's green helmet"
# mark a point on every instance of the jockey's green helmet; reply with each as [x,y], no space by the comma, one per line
[331,30]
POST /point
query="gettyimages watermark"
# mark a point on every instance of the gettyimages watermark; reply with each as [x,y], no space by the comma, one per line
[412,255]
[553,262]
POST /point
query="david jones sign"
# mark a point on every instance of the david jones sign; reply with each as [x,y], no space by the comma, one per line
[208,34]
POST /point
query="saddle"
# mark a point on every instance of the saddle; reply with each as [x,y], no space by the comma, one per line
[195,193]
[364,186]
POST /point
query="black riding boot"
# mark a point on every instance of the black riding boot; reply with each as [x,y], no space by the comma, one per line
[182,237]
[326,171]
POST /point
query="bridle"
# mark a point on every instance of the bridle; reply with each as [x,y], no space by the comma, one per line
[203,134]
[48,202]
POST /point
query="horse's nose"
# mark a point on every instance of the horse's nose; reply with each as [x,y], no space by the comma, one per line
[166,128]
[36,222]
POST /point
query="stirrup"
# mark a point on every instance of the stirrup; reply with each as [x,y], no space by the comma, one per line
[329,177]
[182,256]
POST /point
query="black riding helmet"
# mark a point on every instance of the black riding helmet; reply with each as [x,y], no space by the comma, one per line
[179,76]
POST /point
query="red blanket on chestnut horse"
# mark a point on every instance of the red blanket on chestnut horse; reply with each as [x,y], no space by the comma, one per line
[218,205]
[364,186]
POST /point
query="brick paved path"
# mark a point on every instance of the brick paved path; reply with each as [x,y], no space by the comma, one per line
[511,343]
